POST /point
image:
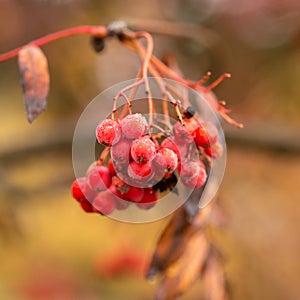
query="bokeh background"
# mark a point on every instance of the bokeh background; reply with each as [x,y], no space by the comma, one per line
[50,249]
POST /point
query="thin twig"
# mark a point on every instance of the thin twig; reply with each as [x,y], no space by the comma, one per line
[99,31]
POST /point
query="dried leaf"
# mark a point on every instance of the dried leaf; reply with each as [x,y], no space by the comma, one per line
[34,72]
[185,271]
[170,244]
[182,252]
[173,241]
[215,286]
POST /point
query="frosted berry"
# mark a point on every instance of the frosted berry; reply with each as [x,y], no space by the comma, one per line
[134,194]
[99,178]
[139,171]
[159,166]
[115,190]
[170,143]
[76,189]
[143,150]
[149,199]
[134,126]
[215,150]
[121,204]
[181,134]
[108,132]
[206,134]
[202,176]
[81,190]
[120,152]
[193,173]
[171,159]
[104,202]
[86,206]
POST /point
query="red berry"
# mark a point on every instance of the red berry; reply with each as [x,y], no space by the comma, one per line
[119,187]
[143,150]
[215,150]
[181,134]
[104,202]
[76,189]
[193,173]
[115,190]
[121,168]
[120,152]
[134,194]
[81,190]
[157,146]
[134,126]
[139,171]
[168,175]
[125,191]
[191,125]
[159,166]
[108,132]
[170,159]
[111,168]
[179,150]
[206,134]
[99,178]
[149,199]
[202,176]
[86,206]
[189,167]
[121,204]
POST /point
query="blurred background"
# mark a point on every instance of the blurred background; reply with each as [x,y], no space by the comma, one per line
[50,249]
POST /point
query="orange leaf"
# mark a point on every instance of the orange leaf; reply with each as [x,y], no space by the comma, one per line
[173,241]
[34,72]
[186,270]
[215,286]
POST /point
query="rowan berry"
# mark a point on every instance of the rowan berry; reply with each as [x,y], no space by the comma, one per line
[108,132]
[99,178]
[81,190]
[143,150]
[206,134]
[104,202]
[134,126]
[149,199]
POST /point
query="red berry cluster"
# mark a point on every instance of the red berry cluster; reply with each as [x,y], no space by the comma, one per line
[142,163]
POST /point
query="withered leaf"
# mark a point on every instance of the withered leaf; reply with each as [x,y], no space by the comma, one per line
[173,240]
[185,271]
[34,72]
[215,286]
[182,253]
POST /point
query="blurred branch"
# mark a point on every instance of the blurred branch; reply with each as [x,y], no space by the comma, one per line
[266,136]
[208,37]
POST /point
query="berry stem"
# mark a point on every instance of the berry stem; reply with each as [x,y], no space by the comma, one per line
[176,106]
[208,37]
[122,93]
[160,129]
[204,79]
[217,81]
[149,51]
[128,102]
[103,156]
[99,31]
